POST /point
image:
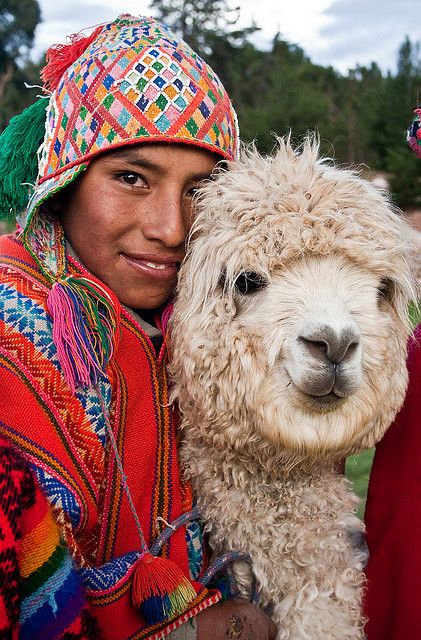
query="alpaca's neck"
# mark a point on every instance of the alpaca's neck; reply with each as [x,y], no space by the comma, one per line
[257,461]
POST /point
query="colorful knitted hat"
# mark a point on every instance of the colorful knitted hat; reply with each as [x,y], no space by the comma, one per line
[130,81]
[413,136]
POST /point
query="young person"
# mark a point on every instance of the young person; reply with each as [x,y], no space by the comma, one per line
[393,513]
[393,520]
[135,121]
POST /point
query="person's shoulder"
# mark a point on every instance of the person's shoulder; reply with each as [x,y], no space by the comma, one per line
[16,263]
[23,288]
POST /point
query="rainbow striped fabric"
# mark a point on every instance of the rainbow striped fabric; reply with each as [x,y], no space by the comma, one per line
[41,597]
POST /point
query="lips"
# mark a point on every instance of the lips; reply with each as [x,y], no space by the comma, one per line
[153,265]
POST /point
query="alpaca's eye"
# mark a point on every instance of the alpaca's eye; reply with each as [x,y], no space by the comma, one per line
[248,281]
[385,290]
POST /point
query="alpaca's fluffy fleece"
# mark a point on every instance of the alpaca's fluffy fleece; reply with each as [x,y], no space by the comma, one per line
[259,445]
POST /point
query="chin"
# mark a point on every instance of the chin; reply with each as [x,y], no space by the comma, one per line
[310,426]
[146,302]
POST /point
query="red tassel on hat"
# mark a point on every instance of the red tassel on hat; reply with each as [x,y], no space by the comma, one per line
[160,590]
[61,56]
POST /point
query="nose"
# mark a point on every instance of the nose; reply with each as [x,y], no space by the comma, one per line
[169,223]
[325,343]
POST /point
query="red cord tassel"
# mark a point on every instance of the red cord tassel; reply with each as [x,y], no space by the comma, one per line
[61,56]
[160,590]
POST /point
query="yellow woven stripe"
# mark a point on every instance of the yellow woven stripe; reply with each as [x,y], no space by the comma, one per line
[38,545]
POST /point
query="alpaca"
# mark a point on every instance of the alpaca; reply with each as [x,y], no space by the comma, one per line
[288,353]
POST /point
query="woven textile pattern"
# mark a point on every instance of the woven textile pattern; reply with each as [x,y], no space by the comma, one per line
[61,435]
[34,563]
[136,81]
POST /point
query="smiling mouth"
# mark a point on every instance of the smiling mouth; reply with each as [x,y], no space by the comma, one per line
[165,268]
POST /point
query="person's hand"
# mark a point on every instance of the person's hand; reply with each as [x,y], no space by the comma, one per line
[235,619]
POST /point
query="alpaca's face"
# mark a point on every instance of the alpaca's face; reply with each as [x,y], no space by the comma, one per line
[315,353]
[289,324]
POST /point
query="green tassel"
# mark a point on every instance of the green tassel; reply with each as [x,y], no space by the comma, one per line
[19,144]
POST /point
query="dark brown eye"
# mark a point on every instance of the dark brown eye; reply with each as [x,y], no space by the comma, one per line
[132,179]
[249,281]
[384,291]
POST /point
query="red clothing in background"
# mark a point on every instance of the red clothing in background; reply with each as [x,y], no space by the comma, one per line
[393,520]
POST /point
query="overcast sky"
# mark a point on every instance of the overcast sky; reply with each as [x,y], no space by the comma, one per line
[341,33]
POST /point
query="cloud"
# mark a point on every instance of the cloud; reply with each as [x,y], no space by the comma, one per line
[340,33]
[61,18]
[366,30]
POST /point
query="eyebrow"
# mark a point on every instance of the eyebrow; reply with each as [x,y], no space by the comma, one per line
[132,158]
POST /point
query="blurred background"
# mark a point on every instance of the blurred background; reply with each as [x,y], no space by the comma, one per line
[350,69]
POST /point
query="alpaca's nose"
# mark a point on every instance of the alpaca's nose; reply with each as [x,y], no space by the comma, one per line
[324,343]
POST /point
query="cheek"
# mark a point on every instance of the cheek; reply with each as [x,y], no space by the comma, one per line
[91,226]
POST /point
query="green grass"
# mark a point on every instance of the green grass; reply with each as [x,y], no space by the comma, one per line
[357,469]
[415,314]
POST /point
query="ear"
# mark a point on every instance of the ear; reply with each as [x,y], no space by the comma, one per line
[55,204]
[397,296]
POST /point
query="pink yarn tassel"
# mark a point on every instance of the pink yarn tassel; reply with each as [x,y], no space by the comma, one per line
[65,338]
[84,327]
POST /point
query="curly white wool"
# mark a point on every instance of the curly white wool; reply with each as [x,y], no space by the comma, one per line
[258,443]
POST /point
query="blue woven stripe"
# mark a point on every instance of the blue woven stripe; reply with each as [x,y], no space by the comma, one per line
[47,592]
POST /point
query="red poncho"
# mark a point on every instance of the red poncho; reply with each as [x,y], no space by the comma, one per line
[393,520]
[63,436]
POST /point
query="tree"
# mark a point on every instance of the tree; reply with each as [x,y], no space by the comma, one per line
[409,71]
[202,23]
[18,19]
[405,182]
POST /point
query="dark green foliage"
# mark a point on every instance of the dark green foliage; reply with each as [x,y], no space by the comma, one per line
[405,176]
[18,19]
[200,22]
[17,95]
[361,117]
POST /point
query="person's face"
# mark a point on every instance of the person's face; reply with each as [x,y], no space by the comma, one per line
[128,216]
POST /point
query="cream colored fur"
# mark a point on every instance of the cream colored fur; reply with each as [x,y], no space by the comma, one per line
[259,443]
